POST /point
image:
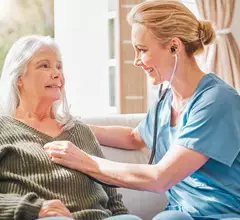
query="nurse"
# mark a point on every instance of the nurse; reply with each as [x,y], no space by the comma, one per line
[197,160]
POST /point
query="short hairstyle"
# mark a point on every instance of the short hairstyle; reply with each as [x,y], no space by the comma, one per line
[16,64]
[167,19]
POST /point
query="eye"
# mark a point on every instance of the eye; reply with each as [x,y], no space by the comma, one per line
[141,50]
[44,65]
[59,67]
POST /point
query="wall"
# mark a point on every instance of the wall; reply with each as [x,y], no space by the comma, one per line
[82,34]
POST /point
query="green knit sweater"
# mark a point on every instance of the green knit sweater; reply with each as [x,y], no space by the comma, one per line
[28,177]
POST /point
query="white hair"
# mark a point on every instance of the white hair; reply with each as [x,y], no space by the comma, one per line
[15,64]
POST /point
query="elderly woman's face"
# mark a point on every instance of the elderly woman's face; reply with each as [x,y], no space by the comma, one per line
[155,59]
[43,79]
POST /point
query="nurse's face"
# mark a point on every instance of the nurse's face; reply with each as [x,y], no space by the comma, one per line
[154,58]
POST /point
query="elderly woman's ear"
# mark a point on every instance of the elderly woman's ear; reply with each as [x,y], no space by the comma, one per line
[19,81]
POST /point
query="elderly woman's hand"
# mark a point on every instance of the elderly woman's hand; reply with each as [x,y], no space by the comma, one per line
[66,154]
[52,208]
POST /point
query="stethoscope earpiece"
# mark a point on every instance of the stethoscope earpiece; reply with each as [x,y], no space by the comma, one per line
[173,50]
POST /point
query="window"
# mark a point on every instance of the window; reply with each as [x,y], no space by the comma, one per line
[112,56]
[191,4]
[112,87]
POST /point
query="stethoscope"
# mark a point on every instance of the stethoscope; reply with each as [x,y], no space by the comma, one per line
[161,95]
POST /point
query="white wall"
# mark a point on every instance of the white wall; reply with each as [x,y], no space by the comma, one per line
[82,34]
[236,24]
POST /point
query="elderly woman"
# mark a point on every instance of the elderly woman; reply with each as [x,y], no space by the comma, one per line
[34,111]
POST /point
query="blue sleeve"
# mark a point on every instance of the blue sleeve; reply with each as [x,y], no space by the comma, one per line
[146,127]
[213,126]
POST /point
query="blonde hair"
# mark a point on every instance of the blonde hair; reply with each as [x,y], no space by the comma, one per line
[167,19]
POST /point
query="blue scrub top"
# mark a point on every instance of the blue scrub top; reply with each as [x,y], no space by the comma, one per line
[209,124]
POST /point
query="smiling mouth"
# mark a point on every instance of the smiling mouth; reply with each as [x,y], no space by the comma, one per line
[53,87]
[149,70]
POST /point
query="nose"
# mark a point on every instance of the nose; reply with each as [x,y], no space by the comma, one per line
[137,62]
[56,73]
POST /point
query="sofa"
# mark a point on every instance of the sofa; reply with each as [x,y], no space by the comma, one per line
[141,203]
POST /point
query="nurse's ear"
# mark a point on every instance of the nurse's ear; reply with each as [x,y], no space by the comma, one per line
[175,45]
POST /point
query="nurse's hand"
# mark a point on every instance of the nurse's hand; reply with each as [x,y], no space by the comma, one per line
[67,154]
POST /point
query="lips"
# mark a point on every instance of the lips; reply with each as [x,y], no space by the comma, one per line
[149,70]
[53,86]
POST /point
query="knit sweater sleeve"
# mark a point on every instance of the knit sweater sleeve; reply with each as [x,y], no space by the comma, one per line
[115,203]
[14,206]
